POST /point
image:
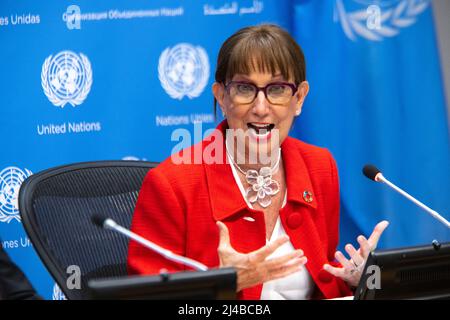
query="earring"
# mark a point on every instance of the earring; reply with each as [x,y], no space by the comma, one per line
[223,114]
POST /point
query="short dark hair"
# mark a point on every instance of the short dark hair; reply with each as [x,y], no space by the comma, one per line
[263,48]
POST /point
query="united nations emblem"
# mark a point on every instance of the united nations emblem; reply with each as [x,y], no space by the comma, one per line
[183,70]
[10,180]
[66,78]
[57,293]
[375,20]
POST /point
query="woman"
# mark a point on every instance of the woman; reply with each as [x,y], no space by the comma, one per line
[274,218]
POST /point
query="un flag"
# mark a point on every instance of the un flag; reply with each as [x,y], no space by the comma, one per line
[376,97]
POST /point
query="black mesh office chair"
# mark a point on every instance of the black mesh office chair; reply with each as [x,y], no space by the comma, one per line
[56,206]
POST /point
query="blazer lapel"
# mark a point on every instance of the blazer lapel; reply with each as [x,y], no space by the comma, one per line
[224,194]
[299,218]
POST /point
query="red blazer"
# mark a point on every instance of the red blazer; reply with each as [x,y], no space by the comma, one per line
[178,206]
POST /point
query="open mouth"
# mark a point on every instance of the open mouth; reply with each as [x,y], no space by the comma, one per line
[260,129]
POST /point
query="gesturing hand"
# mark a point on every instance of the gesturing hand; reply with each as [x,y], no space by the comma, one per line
[254,268]
[352,269]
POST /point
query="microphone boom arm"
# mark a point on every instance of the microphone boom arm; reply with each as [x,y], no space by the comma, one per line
[379,177]
[112,225]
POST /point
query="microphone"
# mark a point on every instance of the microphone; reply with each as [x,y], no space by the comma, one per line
[107,223]
[373,173]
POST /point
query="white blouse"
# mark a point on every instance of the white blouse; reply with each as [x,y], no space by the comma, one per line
[296,286]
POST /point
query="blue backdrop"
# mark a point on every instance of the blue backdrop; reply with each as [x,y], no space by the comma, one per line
[84,80]
[377,97]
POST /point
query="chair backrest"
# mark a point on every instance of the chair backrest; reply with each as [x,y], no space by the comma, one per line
[56,206]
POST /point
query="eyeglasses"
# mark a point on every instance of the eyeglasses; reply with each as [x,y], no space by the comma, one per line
[242,92]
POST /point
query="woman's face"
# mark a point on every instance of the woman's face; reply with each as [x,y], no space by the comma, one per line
[260,118]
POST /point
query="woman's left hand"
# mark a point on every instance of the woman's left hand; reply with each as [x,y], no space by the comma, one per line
[352,269]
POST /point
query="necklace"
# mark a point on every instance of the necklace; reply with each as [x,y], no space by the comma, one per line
[262,186]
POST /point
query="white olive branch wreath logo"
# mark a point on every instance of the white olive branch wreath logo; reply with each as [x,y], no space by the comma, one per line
[392,19]
[82,94]
[201,81]
[10,180]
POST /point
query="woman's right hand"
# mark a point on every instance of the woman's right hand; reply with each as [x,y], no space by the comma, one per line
[254,268]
